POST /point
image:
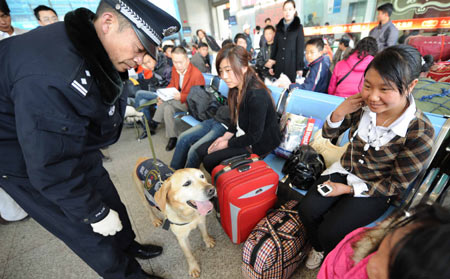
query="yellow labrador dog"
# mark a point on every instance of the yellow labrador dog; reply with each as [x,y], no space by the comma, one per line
[184,201]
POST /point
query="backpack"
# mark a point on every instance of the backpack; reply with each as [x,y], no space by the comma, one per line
[303,167]
[276,246]
[202,105]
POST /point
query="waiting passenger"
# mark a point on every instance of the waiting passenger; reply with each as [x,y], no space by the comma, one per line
[319,74]
[265,52]
[342,52]
[391,140]
[287,56]
[241,40]
[385,33]
[348,75]
[45,15]
[201,59]
[254,124]
[6,29]
[184,76]
[406,247]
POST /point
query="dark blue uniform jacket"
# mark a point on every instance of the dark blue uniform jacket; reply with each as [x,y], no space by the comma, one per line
[53,121]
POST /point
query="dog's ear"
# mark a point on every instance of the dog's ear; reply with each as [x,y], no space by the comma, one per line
[161,195]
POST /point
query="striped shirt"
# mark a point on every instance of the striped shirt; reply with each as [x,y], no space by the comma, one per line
[388,171]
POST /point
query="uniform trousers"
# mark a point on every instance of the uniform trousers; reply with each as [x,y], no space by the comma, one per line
[329,219]
[165,112]
[103,254]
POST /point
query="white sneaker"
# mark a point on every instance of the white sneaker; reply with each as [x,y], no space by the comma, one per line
[314,259]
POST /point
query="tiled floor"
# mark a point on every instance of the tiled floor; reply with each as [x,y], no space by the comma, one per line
[27,251]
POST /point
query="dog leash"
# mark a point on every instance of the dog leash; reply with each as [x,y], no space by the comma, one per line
[167,222]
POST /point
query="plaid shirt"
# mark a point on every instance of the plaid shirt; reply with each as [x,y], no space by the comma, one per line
[395,165]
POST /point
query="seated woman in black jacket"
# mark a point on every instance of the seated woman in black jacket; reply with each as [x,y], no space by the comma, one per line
[254,126]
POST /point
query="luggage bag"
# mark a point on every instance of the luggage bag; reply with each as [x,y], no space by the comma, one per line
[277,245]
[246,189]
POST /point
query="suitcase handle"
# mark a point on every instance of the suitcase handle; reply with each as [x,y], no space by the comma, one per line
[233,166]
[243,162]
[233,159]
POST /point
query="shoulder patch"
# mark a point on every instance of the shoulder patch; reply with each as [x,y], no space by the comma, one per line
[82,81]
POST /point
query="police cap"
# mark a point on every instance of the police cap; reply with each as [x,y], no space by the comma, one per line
[150,23]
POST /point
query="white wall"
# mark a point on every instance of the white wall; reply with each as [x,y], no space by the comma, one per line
[198,15]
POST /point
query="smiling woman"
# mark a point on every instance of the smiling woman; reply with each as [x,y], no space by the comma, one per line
[390,142]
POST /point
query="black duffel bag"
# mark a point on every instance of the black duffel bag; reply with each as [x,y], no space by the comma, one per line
[303,167]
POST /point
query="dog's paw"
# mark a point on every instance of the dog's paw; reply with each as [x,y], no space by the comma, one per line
[157,222]
[210,241]
[194,271]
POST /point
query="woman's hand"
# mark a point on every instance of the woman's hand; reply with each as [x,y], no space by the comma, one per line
[227,136]
[338,189]
[299,73]
[217,145]
[351,104]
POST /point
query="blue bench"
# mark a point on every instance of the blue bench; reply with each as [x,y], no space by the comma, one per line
[319,106]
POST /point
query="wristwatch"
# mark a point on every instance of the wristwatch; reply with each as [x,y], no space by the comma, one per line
[352,191]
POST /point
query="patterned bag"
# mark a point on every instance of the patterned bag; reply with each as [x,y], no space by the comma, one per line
[276,246]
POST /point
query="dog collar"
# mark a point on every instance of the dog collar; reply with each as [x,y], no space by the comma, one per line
[167,223]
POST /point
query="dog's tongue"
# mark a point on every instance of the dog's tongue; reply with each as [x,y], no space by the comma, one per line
[203,207]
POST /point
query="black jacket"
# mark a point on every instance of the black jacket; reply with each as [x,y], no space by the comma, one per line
[288,49]
[258,119]
[59,103]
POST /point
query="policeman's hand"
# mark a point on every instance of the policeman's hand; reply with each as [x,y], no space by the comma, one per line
[351,104]
[271,72]
[177,96]
[108,225]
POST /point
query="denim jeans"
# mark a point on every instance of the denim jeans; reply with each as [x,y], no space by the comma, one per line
[185,155]
[143,96]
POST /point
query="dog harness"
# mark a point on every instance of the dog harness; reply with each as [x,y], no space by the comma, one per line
[152,178]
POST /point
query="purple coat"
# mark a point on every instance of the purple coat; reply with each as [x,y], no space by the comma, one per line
[352,84]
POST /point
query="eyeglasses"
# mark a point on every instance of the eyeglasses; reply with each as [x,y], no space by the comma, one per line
[52,19]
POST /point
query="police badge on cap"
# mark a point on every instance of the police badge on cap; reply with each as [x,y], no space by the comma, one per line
[150,23]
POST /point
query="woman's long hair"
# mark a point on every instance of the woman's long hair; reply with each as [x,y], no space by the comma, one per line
[239,58]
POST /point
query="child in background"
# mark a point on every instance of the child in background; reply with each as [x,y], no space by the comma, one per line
[319,73]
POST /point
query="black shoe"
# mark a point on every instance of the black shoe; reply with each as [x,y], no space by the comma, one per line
[171,144]
[144,252]
[143,135]
[151,276]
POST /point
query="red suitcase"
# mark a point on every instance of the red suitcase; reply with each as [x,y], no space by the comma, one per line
[246,189]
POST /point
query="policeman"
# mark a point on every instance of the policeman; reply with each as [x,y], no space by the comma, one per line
[60,102]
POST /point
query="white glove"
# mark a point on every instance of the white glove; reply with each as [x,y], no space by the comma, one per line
[108,225]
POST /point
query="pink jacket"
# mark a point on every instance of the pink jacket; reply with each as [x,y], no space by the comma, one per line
[352,84]
[339,264]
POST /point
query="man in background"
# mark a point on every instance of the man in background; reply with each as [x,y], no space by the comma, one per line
[184,76]
[385,33]
[201,59]
[342,52]
[45,15]
[6,29]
